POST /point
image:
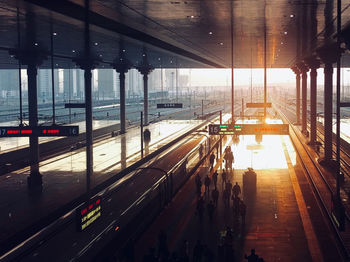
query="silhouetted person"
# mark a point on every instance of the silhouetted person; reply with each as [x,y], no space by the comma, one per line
[224,176]
[210,209]
[215,196]
[215,178]
[226,198]
[200,207]
[184,252]
[243,211]
[236,190]
[211,160]
[228,187]
[201,151]
[207,182]
[147,135]
[236,205]
[198,184]
[162,244]
[252,257]
[150,257]
[197,252]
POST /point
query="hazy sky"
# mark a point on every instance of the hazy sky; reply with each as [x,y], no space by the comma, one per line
[220,77]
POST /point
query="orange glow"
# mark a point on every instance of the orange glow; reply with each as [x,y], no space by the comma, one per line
[116,228]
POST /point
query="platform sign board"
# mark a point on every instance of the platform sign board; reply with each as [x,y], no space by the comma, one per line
[257,105]
[88,214]
[249,129]
[170,105]
[265,129]
[226,129]
[26,131]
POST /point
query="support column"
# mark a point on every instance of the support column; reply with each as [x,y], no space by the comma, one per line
[122,102]
[145,68]
[328,55]
[145,98]
[303,69]
[297,98]
[314,64]
[122,66]
[33,57]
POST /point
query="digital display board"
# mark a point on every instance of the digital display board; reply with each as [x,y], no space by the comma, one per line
[225,129]
[88,214]
[16,131]
[249,129]
[170,105]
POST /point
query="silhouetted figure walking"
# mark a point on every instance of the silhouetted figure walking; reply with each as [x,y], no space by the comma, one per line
[211,160]
[228,187]
[198,185]
[210,209]
[150,257]
[197,252]
[243,211]
[215,196]
[236,190]
[226,198]
[215,178]
[200,208]
[224,176]
[207,182]
[236,205]
[162,244]
[252,257]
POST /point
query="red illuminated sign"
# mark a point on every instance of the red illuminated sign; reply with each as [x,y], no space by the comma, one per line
[16,131]
[88,213]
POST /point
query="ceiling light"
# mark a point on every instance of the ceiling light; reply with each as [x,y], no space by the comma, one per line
[54,33]
[96,43]
[285,32]
[210,33]
[171,62]
[192,16]
[281,43]
[123,50]
[73,51]
[100,55]
[36,44]
[292,16]
[143,55]
[221,43]
[159,58]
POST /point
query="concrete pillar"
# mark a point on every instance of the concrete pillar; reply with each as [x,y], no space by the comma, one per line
[88,121]
[122,102]
[303,69]
[34,179]
[145,68]
[122,66]
[145,98]
[32,56]
[297,98]
[314,64]
[328,55]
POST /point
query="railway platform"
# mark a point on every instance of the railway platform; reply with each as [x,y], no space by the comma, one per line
[284,219]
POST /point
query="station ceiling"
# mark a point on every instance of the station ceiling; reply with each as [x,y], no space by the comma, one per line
[173,33]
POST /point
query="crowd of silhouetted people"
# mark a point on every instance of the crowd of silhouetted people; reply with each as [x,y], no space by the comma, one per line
[207,203]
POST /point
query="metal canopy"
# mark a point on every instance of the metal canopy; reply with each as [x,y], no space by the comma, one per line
[192,33]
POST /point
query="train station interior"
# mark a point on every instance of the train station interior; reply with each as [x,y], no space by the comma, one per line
[175,131]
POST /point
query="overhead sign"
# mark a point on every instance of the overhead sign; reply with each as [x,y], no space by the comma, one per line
[224,129]
[170,105]
[16,131]
[88,213]
[74,105]
[258,105]
[249,129]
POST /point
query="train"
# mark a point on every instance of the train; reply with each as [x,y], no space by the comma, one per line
[103,225]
